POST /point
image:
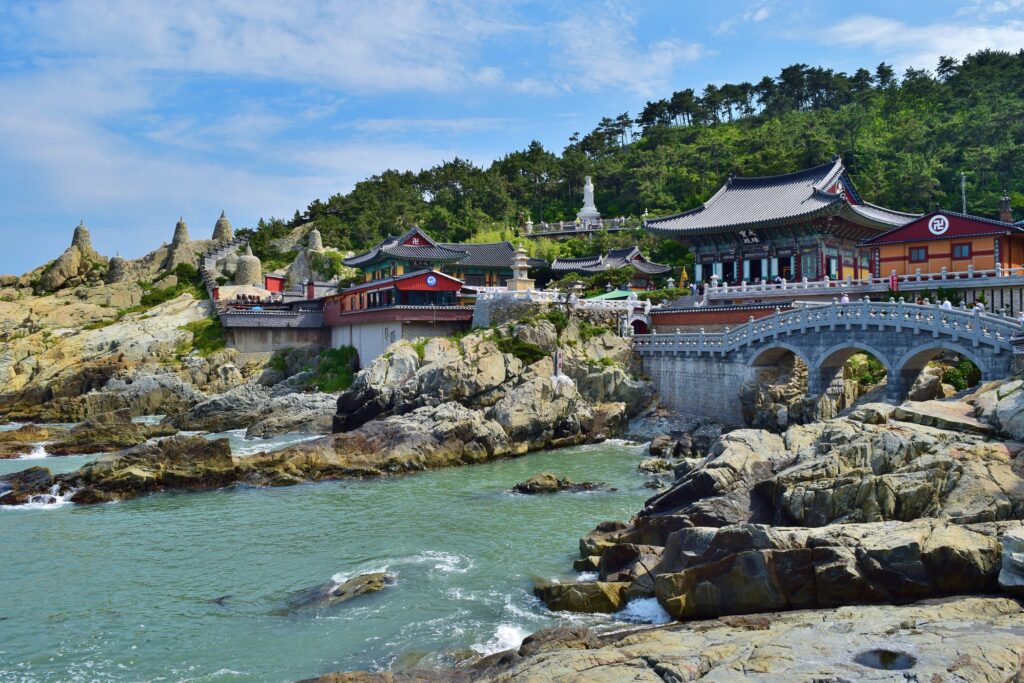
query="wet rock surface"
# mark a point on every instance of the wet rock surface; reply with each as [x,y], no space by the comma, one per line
[889,505]
[335,593]
[546,482]
[959,639]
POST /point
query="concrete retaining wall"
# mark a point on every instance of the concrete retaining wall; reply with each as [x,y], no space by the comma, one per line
[264,340]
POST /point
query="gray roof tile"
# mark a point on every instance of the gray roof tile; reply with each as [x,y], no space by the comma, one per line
[778,199]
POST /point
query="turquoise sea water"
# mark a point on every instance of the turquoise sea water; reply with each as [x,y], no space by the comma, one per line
[129,591]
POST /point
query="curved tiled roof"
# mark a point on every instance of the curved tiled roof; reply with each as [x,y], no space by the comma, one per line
[771,200]
[491,255]
[615,258]
[393,247]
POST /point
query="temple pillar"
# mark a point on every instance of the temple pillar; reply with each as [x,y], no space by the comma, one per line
[746,270]
[765,275]
[774,271]
[698,272]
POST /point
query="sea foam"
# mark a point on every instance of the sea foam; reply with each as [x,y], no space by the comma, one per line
[506,637]
[643,611]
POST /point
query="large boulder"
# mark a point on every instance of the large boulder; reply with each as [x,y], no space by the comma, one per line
[335,593]
[177,462]
[1002,406]
[311,413]
[234,409]
[590,596]
[426,438]
[751,568]
[546,482]
[856,472]
[1011,573]
[106,432]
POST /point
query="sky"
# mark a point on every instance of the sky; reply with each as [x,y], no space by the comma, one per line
[128,115]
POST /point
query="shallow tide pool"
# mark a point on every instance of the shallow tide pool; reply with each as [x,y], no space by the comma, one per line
[196,586]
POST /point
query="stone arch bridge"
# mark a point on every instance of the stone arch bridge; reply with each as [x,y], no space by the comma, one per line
[702,373]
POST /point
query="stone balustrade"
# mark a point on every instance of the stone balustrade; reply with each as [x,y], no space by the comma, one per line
[970,277]
[960,324]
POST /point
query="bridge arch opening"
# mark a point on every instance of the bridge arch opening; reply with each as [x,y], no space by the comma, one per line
[772,398]
[936,370]
[843,373]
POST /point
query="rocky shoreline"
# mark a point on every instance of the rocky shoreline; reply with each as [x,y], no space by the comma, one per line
[450,403]
[888,523]
[885,541]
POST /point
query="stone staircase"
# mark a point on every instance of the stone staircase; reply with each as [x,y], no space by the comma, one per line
[208,261]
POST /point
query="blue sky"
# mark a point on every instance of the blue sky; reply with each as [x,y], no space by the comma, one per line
[129,114]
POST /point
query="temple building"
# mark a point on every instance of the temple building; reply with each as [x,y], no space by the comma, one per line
[371,316]
[644,271]
[947,241]
[478,265]
[806,224]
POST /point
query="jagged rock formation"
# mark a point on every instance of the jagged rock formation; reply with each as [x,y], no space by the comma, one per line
[90,368]
[507,407]
[249,270]
[477,374]
[253,407]
[180,250]
[222,230]
[79,264]
[889,504]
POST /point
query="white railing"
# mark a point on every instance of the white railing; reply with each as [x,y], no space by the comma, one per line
[973,326]
[544,295]
[485,293]
[580,226]
[917,280]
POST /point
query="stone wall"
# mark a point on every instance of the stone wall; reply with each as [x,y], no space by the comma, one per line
[499,311]
[705,386]
[487,312]
[263,340]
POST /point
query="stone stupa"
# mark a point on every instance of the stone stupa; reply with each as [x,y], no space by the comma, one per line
[249,270]
[222,231]
[180,250]
[116,270]
[83,240]
[78,264]
[315,242]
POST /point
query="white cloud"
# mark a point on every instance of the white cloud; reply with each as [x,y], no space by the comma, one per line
[387,45]
[757,12]
[248,129]
[922,45]
[990,8]
[602,53]
[473,124]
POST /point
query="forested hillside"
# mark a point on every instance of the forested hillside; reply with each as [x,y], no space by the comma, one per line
[905,139]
